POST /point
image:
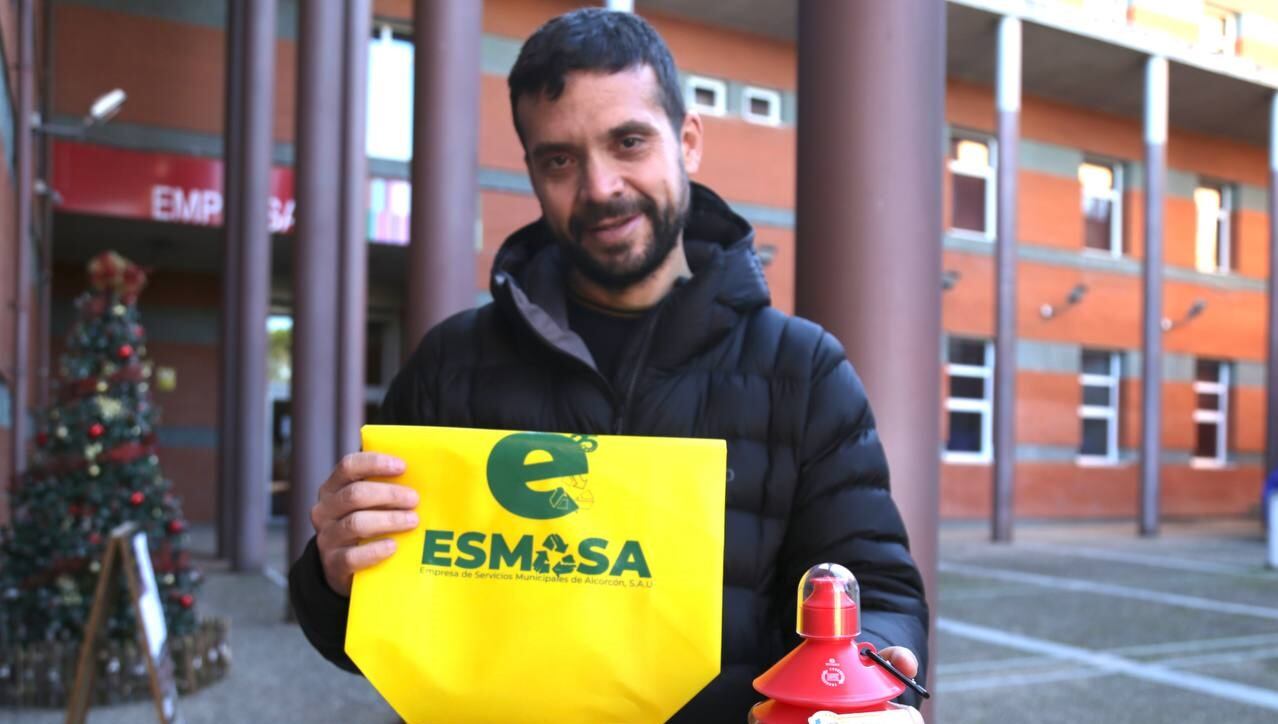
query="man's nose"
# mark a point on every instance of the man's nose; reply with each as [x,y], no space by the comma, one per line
[601,182]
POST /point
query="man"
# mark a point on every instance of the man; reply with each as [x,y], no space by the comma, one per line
[636,305]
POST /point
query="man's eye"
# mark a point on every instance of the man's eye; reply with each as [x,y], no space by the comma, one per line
[559,161]
[631,143]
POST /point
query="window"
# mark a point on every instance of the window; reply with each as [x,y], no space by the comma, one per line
[1099,409]
[759,105]
[1213,243]
[972,187]
[1102,206]
[1211,413]
[390,97]
[969,404]
[706,95]
[1218,30]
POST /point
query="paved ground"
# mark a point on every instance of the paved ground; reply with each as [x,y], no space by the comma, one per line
[1090,623]
[1072,623]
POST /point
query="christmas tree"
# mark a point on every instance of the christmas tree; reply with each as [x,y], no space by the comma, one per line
[94,467]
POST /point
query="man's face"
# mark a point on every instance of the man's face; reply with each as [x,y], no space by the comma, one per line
[610,172]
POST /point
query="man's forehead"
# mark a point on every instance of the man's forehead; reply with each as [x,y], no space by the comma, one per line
[596,98]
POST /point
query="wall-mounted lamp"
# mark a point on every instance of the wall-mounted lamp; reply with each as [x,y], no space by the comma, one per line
[1047,311]
[949,278]
[1194,310]
[104,108]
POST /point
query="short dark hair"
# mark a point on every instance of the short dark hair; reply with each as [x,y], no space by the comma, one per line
[593,39]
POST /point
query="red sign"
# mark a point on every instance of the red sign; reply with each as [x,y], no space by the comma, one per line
[107,181]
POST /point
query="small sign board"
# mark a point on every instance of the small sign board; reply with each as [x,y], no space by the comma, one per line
[127,547]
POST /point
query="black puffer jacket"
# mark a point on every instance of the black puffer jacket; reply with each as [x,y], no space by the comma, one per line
[807,478]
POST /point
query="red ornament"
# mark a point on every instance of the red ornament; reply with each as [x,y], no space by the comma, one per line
[94,539]
[96,430]
[42,439]
[187,600]
[136,498]
[125,351]
[176,526]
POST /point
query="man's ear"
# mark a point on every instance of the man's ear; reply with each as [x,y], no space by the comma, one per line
[690,140]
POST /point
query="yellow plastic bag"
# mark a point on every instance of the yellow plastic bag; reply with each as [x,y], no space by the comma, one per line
[552,578]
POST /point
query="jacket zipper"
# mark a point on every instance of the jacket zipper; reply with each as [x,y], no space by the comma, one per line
[619,420]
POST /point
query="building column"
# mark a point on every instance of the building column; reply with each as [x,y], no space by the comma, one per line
[1156,83]
[249,255]
[1009,130]
[868,226]
[23,150]
[228,417]
[446,75]
[354,243]
[1271,376]
[316,342]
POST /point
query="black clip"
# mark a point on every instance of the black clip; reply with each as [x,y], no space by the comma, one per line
[897,673]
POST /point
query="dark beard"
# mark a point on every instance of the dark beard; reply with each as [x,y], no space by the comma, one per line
[667,226]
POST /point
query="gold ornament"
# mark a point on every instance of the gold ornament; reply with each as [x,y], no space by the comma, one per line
[102,386]
[92,451]
[94,470]
[146,370]
[110,407]
[95,566]
[118,310]
[61,432]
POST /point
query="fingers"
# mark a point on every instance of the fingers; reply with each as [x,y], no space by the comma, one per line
[362,525]
[361,495]
[358,466]
[341,564]
[903,659]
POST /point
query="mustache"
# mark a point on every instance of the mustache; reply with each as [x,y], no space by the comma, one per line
[592,213]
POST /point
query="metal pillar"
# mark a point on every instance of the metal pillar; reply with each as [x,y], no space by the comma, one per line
[1009,129]
[248,191]
[354,242]
[441,256]
[23,148]
[228,413]
[1271,368]
[315,260]
[1156,72]
[868,244]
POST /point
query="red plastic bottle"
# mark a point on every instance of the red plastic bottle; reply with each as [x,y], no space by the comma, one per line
[826,679]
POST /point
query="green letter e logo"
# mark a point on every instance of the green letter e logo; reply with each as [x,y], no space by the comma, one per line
[527,457]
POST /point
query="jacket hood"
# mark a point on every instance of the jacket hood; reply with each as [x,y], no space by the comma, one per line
[528,279]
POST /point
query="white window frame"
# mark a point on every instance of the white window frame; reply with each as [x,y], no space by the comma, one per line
[985,407]
[717,87]
[1116,208]
[1113,382]
[752,93]
[991,186]
[1218,417]
[1227,44]
[1224,226]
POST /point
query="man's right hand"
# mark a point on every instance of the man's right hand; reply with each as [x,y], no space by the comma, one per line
[352,508]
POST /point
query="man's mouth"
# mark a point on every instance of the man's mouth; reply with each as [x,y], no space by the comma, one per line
[612,231]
